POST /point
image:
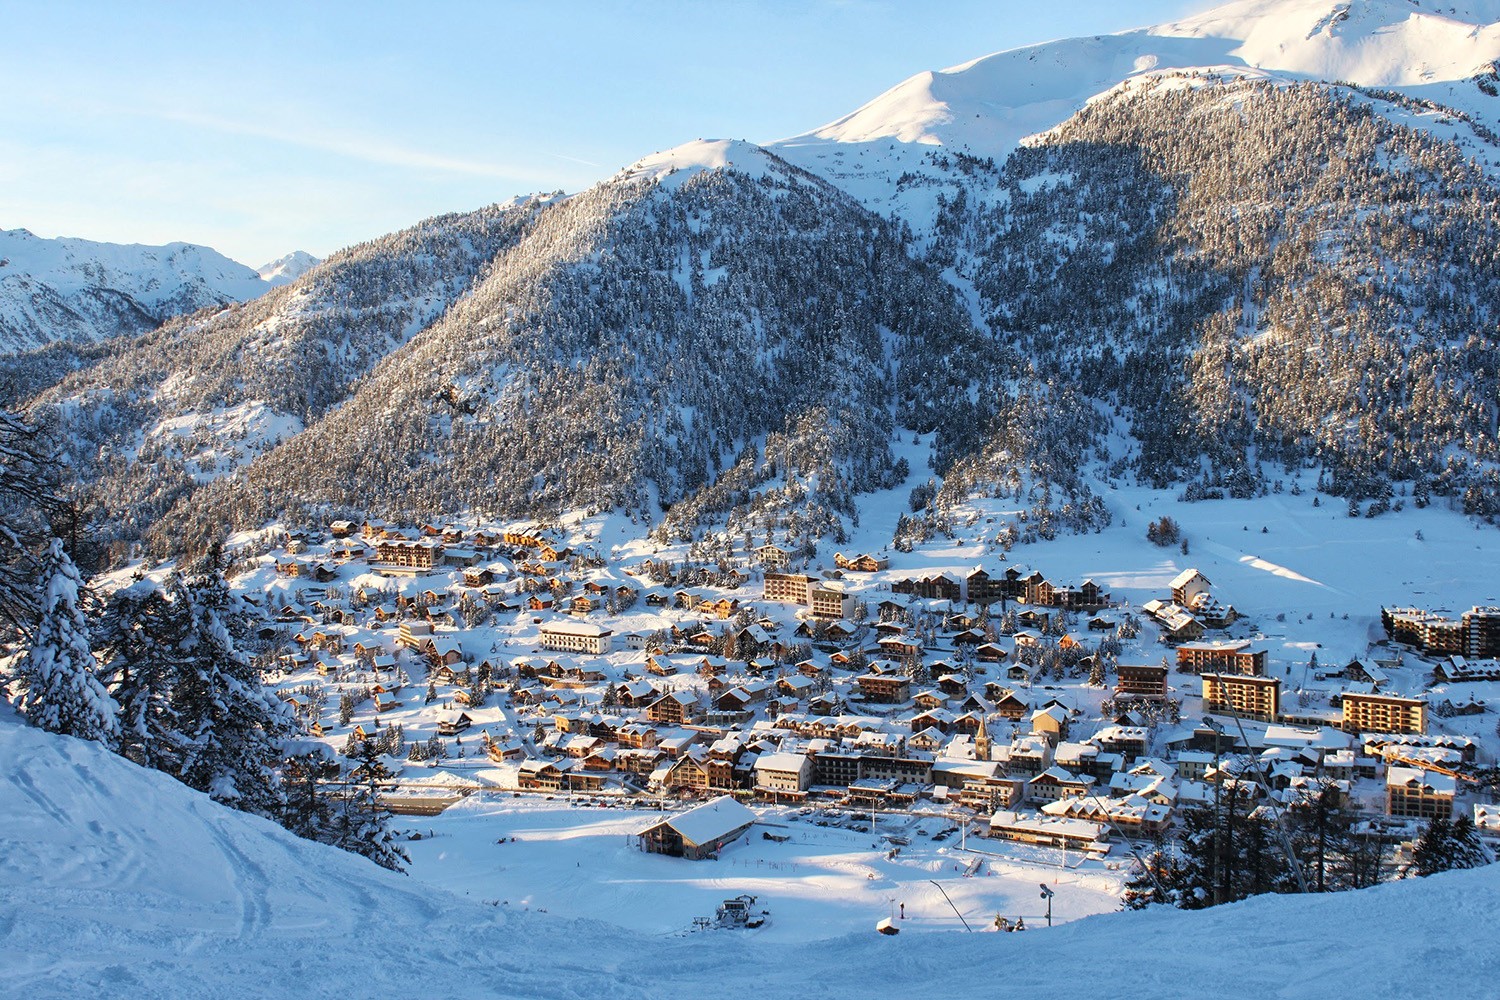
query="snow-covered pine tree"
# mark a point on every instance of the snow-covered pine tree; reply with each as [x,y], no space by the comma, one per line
[1433,850]
[233,729]
[27,502]
[1446,845]
[363,823]
[139,641]
[60,690]
[309,808]
[1468,850]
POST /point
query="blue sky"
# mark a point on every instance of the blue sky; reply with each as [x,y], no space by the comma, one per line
[263,128]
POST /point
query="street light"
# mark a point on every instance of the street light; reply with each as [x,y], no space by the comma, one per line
[1047,894]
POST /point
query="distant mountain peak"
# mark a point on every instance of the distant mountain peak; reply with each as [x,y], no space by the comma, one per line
[1432,49]
[82,290]
[288,268]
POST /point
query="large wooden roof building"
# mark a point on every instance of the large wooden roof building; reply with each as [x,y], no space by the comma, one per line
[701,831]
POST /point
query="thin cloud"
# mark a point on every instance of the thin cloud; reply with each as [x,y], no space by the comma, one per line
[364,148]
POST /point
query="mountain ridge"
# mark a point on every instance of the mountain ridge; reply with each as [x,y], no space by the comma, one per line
[84,291]
[1081,272]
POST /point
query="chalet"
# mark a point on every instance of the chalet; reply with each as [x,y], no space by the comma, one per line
[1031,618]
[936,718]
[541,776]
[952,685]
[1021,673]
[637,736]
[686,773]
[927,739]
[1133,816]
[887,689]
[773,556]
[930,699]
[672,709]
[700,832]
[1366,672]
[1059,783]
[990,652]
[896,647]
[585,604]
[454,724]
[478,576]
[1026,637]
[1461,668]
[863,563]
[736,700]
[665,665]
[636,694]
[966,637]
[1175,621]
[1050,722]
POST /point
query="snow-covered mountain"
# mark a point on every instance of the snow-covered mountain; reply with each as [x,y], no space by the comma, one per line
[1189,246]
[122,882]
[78,290]
[286,269]
[1446,52]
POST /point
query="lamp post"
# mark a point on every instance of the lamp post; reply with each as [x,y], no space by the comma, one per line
[1047,894]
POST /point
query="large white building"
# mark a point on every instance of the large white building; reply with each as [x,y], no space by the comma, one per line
[577,637]
[783,772]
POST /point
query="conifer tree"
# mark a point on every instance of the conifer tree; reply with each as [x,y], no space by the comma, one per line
[139,640]
[61,692]
[28,502]
[362,824]
[232,729]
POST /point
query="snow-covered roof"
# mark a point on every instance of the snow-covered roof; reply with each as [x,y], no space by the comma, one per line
[781,762]
[711,820]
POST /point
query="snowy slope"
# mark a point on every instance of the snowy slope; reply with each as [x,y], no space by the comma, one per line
[286,269]
[121,883]
[72,289]
[985,107]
